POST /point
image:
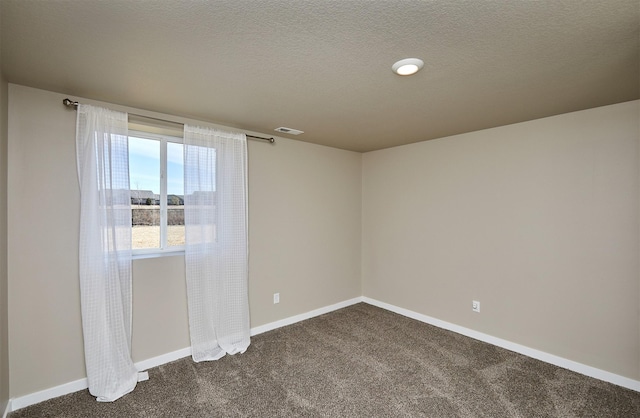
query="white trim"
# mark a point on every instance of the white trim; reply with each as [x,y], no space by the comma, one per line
[163,359]
[527,351]
[43,395]
[156,252]
[7,409]
[301,317]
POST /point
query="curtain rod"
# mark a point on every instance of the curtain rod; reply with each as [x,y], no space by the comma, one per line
[70,103]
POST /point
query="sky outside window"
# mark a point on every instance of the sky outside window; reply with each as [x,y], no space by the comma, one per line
[175,171]
[144,164]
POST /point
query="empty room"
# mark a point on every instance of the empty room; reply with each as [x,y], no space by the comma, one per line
[319,208]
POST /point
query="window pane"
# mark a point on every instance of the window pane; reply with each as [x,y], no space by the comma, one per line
[200,192]
[144,174]
[175,194]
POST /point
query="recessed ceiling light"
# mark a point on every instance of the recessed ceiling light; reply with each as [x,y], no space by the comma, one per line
[407,66]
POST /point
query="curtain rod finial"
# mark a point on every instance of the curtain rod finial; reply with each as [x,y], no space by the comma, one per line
[69,103]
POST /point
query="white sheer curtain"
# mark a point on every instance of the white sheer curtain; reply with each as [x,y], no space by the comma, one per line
[216,252]
[105,251]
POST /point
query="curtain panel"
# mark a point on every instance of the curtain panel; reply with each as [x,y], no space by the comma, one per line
[216,249]
[105,250]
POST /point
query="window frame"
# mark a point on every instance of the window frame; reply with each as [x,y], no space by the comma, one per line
[164,249]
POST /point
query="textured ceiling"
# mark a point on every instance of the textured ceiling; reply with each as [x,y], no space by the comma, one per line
[324,67]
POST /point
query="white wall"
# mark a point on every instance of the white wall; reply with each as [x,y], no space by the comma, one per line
[304,215]
[539,221]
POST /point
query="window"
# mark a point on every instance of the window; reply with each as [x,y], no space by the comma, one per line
[157,193]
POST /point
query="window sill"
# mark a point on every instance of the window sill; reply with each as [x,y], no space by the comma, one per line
[156,253]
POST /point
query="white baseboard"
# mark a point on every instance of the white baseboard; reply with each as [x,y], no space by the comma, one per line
[297,318]
[521,349]
[43,395]
[7,409]
[163,359]
[81,384]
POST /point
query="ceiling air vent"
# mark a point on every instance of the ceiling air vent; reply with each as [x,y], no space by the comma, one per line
[288,131]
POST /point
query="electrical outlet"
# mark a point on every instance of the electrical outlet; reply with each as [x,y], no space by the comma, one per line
[276,298]
[475,305]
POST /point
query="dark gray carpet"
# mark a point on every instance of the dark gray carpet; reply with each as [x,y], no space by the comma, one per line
[360,361]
